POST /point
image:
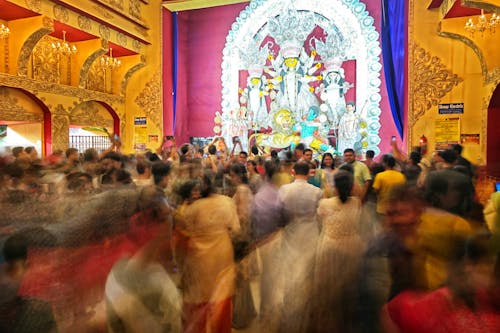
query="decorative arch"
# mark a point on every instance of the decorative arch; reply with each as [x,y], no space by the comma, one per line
[91,113]
[129,74]
[116,118]
[29,44]
[11,110]
[84,71]
[470,43]
[346,17]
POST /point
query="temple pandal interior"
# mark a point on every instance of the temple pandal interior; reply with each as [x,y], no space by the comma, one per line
[85,73]
[68,65]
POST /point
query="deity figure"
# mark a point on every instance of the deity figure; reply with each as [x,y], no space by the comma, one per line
[256,104]
[291,79]
[309,129]
[332,92]
[348,130]
[283,134]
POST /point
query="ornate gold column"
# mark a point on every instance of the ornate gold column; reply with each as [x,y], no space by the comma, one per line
[60,128]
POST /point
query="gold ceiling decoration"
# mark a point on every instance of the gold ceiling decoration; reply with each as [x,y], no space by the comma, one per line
[4,31]
[63,48]
[483,24]
[108,62]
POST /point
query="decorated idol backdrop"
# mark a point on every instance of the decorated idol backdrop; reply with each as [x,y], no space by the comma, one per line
[284,76]
[289,71]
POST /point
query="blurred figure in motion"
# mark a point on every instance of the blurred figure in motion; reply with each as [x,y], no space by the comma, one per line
[391,263]
[300,235]
[20,314]
[468,303]
[267,219]
[492,213]
[207,264]
[338,257]
[140,295]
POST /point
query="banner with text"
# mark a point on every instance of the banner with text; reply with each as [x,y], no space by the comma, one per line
[447,132]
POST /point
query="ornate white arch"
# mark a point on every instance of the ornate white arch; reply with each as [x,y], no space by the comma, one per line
[348,17]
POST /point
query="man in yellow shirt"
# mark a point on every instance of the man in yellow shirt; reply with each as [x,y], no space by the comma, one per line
[385,182]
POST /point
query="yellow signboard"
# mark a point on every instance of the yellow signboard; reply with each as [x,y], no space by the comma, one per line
[447,132]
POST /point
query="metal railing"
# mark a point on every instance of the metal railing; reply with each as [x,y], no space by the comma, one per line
[82,142]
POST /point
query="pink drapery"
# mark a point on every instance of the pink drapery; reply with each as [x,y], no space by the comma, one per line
[201,39]
[168,107]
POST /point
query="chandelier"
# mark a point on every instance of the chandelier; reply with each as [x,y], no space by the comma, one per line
[482,24]
[64,48]
[4,31]
[108,62]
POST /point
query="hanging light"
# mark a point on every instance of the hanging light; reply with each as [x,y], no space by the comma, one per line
[108,62]
[482,24]
[4,31]
[64,48]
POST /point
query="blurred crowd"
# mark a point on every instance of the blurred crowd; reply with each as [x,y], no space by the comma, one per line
[208,239]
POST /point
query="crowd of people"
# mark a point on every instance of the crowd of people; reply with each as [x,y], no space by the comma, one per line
[204,239]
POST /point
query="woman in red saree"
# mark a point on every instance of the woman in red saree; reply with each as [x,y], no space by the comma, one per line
[469,303]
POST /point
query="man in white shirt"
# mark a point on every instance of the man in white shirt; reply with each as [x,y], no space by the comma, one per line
[300,201]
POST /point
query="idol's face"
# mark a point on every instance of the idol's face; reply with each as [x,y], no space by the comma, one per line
[349,108]
[255,81]
[291,62]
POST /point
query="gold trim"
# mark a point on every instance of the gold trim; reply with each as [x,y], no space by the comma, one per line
[106,14]
[432,81]
[35,87]
[6,53]
[27,48]
[129,74]
[88,113]
[493,77]
[104,31]
[150,99]
[122,39]
[10,110]
[84,23]
[60,128]
[480,5]
[61,13]
[84,71]
[34,5]
[470,43]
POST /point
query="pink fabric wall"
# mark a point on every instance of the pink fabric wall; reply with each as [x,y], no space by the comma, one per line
[202,36]
[168,108]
